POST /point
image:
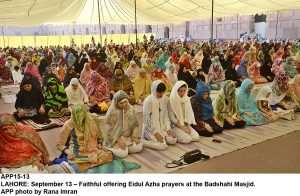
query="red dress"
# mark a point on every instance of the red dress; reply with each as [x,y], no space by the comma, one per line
[20,145]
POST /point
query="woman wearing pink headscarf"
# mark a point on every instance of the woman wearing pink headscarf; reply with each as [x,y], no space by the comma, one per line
[132,70]
[277,69]
[97,87]
[33,70]
[85,75]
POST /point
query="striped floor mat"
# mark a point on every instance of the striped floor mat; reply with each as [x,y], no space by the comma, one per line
[154,161]
[55,122]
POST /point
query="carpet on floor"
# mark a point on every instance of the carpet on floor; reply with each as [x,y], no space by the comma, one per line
[153,161]
[55,122]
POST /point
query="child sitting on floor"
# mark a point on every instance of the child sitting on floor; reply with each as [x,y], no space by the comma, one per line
[17,75]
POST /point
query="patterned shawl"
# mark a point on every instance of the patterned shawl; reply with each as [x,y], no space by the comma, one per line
[97,87]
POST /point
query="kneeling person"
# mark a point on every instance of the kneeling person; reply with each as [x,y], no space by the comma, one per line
[181,114]
[56,102]
[122,134]
[156,130]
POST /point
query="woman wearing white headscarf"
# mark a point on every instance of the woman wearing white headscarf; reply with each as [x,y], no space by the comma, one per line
[171,72]
[76,93]
[156,130]
[199,57]
[181,114]
[263,104]
[122,134]
[144,58]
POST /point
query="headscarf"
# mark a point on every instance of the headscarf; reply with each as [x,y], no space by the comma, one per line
[246,99]
[48,76]
[172,77]
[97,87]
[156,105]
[206,62]
[109,63]
[34,81]
[242,68]
[278,54]
[226,96]
[115,58]
[142,85]
[279,88]
[132,72]
[183,114]
[175,58]
[105,71]
[169,63]
[157,72]
[276,67]
[185,60]
[199,57]
[82,120]
[123,84]
[118,121]
[289,67]
[55,99]
[148,66]
[262,94]
[20,145]
[69,76]
[200,76]
[85,75]
[71,60]
[216,72]
[161,62]
[33,70]
[216,60]
[207,108]
[187,77]
[78,95]
[118,65]
[144,57]
[53,67]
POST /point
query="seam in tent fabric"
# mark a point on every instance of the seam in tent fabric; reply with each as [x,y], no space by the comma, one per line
[119,10]
[107,10]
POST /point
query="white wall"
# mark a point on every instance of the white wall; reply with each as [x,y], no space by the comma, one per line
[261,28]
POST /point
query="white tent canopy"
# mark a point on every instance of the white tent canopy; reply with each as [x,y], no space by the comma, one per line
[34,12]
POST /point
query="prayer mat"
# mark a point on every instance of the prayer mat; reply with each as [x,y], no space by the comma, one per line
[54,122]
[153,161]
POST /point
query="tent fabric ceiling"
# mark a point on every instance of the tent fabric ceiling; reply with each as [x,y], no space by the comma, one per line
[35,12]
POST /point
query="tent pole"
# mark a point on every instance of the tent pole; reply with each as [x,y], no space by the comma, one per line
[237,27]
[212,24]
[136,38]
[3,38]
[105,33]
[99,19]
[276,25]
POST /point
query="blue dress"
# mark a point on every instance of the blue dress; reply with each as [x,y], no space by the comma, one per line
[246,103]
